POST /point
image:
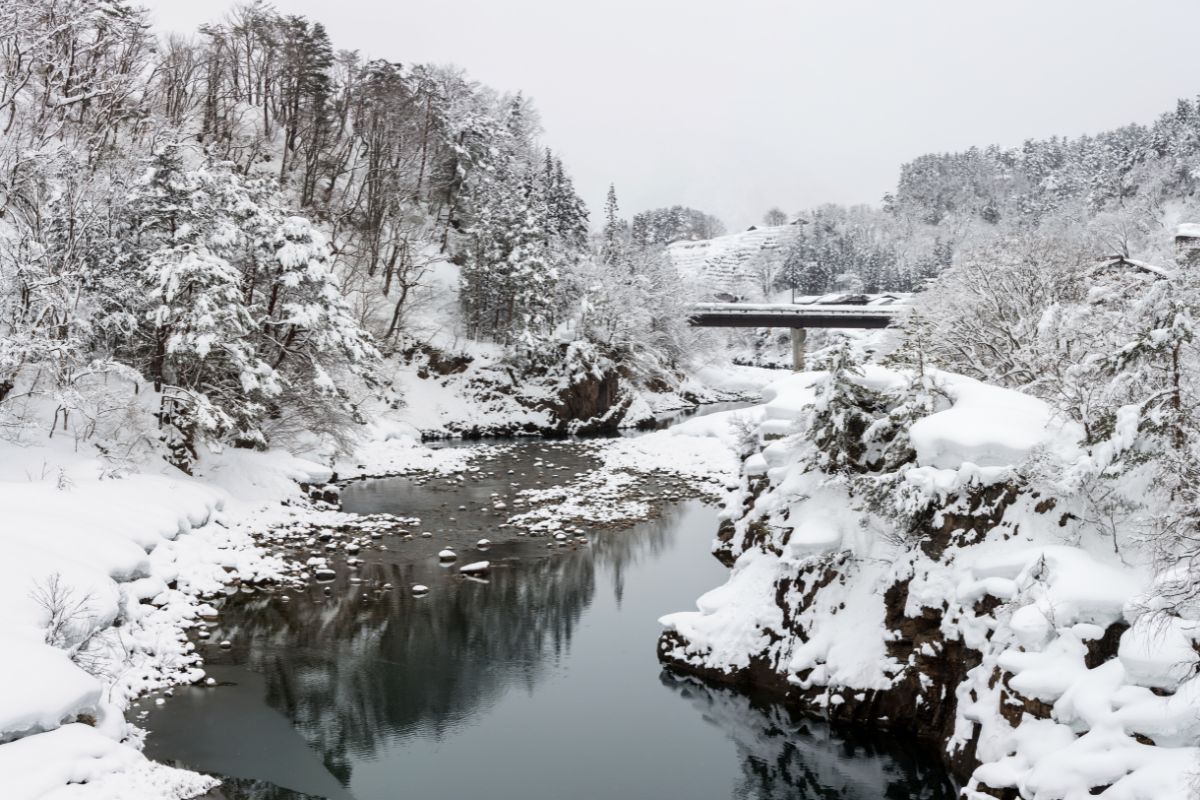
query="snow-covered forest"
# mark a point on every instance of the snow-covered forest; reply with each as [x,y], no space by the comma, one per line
[245,270]
[253,223]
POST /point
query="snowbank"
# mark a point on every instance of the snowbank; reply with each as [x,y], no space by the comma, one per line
[84,547]
[986,426]
[1002,626]
[76,762]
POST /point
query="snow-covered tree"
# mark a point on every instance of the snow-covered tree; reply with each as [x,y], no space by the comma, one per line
[775,216]
[843,412]
[244,312]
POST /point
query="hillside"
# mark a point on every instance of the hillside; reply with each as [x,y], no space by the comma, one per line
[744,264]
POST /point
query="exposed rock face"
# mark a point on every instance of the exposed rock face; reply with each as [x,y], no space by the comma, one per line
[592,405]
[582,395]
[435,362]
[922,700]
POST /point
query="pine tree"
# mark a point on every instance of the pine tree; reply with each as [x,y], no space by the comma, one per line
[612,250]
[843,412]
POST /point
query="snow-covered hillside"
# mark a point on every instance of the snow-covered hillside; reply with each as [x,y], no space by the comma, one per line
[740,264]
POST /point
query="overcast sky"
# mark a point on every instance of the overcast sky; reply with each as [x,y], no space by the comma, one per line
[733,107]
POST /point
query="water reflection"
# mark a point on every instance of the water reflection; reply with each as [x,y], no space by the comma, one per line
[784,757]
[356,670]
[248,789]
[540,682]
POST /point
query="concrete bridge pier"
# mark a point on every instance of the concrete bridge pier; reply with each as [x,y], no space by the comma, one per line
[799,336]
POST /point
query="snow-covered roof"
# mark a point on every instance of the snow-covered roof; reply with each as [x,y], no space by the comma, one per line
[1190,230]
[852,299]
[1122,261]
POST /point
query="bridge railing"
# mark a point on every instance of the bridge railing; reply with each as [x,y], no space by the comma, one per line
[789,310]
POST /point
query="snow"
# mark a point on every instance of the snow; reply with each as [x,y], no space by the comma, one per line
[1157,271]
[732,263]
[1160,651]
[700,452]
[1129,722]
[108,544]
[986,426]
[735,379]
[75,762]
[52,688]
[732,620]
[120,542]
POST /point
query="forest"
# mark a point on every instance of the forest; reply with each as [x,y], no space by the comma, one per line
[225,238]
[249,219]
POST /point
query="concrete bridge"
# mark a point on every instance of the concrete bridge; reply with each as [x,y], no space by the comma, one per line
[826,311]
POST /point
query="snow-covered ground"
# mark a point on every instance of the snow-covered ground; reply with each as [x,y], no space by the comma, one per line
[695,457]
[103,571]
[484,398]
[1068,685]
[101,576]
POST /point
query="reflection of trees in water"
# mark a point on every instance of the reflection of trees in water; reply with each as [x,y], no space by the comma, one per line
[246,789]
[354,674]
[782,757]
[623,550]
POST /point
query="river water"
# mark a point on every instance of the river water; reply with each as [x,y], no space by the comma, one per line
[539,682]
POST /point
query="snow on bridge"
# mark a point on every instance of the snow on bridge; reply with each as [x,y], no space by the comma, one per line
[826,311]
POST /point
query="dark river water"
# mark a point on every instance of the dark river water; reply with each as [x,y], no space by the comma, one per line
[539,682]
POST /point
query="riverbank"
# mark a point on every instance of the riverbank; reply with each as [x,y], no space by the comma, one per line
[476,394]
[106,571]
[505,682]
[943,588]
[102,578]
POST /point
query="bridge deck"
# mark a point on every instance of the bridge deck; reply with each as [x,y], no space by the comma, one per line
[775,315]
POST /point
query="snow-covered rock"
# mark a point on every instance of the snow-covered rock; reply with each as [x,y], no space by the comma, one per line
[968,606]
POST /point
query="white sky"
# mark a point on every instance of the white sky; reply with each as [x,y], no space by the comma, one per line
[733,107]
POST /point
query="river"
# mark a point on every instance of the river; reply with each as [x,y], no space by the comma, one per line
[539,681]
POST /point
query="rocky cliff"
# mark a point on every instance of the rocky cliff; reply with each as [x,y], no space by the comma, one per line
[898,560]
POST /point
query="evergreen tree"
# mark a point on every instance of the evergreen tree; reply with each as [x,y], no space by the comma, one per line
[612,250]
[843,412]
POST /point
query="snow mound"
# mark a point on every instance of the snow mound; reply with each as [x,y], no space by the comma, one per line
[52,688]
[77,762]
[987,426]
